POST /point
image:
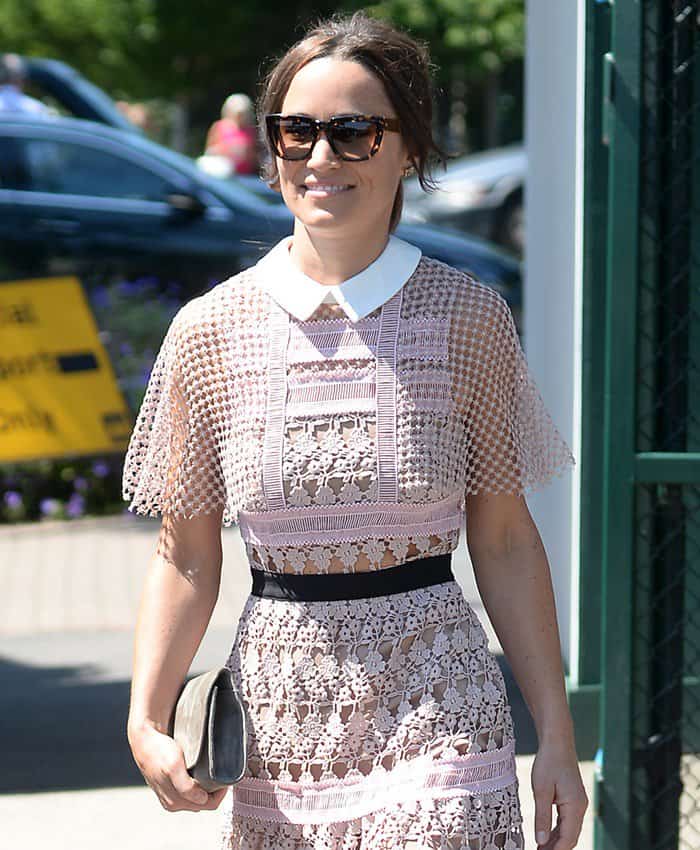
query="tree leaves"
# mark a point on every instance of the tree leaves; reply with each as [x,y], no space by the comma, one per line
[146,48]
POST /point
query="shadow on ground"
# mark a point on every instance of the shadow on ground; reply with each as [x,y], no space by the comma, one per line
[61,730]
[63,727]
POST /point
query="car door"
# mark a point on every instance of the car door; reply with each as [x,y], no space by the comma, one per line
[70,203]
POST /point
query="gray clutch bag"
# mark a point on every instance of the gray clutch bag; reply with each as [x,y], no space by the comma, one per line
[210,726]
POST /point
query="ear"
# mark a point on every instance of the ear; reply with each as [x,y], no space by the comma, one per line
[407,157]
[408,167]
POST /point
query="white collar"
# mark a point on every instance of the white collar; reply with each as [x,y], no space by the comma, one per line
[300,294]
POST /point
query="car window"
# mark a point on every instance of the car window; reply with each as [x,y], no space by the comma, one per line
[55,106]
[14,167]
[46,165]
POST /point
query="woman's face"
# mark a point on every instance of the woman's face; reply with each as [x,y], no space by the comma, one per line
[363,193]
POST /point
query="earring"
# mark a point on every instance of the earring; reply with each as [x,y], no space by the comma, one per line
[408,170]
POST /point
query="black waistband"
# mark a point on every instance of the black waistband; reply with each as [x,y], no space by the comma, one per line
[326,587]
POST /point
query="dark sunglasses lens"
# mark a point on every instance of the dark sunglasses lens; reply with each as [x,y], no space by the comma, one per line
[293,137]
[353,137]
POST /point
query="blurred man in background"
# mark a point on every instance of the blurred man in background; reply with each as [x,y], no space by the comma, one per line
[12,98]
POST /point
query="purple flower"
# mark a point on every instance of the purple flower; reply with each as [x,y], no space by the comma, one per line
[80,484]
[128,287]
[50,507]
[99,297]
[12,499]
[76,505]
[100,468]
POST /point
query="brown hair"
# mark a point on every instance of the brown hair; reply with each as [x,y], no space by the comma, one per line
[401,63]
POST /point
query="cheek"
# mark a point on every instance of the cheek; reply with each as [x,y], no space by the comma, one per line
[384,182]
[289,177]
[385,169]
[286,171]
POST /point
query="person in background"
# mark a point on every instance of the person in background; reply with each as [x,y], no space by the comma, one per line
[233,136]
[12,98]
[138,113]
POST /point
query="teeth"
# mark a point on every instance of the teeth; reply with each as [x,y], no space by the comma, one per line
[327,190]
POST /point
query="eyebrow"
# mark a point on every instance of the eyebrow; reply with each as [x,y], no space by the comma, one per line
[346,114]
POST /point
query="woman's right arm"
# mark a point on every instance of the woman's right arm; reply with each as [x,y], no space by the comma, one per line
[179,594]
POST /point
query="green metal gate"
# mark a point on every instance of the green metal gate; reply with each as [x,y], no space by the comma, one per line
[648,790]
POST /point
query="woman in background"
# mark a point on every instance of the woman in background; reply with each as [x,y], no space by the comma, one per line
[233,136]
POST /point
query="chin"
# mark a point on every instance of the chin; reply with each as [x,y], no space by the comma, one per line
[323,218]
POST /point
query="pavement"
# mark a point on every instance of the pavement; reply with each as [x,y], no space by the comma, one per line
[70,594]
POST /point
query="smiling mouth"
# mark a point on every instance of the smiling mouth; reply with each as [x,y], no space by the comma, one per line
[325,191]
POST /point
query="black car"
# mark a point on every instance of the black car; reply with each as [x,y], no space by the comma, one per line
[480,194]
[84,198]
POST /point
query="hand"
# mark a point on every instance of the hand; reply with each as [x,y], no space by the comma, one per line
[162,763]
[556,780]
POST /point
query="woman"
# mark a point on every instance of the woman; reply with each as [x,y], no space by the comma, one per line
[345,401]
[233,135]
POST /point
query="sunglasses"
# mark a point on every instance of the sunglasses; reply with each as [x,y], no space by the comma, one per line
[353,138]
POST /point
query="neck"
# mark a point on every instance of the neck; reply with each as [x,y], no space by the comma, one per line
[331,259]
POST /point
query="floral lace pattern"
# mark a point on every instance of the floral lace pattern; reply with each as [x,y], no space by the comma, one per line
[350,694]
[463,823]
[330,461]
[350,556]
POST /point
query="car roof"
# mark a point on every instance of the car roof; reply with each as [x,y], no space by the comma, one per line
[94,129]
[75,93]
[489,163]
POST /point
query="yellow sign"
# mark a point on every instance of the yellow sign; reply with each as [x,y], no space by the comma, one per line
[58,392]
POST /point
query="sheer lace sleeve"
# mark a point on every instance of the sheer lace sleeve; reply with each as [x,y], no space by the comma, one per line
[513,445]
[172,461]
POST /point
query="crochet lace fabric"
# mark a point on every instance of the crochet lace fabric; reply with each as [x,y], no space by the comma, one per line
[378,723]
[312,435]
[342,446]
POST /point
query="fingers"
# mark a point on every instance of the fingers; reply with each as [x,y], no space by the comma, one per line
[175,788]
[544,797]
[187,794]
[181,792]
[161,761]
[195,799]
[556,780]
[215,798]
[569,823]
[185,786]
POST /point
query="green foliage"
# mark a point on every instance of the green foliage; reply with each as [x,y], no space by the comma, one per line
[102,39]
[172,48]
[481,35]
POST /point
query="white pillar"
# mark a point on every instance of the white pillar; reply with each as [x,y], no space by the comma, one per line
[554,88]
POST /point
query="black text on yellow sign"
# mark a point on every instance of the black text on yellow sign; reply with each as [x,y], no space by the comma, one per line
[58,392]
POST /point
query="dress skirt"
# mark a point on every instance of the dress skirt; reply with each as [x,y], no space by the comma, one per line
[379,723]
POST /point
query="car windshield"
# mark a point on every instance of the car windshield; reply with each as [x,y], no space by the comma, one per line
[229,190]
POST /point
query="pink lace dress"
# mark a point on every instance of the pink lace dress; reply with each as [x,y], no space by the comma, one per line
[339,446]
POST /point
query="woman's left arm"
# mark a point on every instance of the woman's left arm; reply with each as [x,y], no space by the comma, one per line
[513,577]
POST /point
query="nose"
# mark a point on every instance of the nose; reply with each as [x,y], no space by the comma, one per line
[322,153]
